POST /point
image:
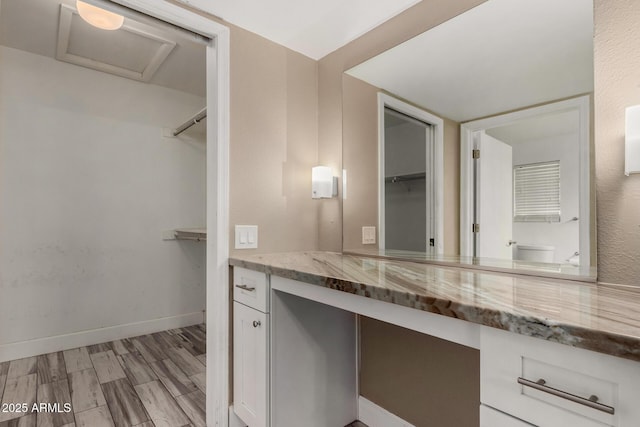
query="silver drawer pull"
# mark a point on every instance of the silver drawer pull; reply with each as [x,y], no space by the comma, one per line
[591,402]
[256,323]
[246,288]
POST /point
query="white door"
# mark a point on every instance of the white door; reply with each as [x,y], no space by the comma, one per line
[494,198]
[250,365]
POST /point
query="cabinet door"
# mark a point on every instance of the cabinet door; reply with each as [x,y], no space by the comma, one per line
[250,365]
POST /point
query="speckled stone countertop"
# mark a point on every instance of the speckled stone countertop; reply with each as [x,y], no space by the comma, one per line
[603,318]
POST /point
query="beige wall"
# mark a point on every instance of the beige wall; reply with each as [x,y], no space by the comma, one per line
[617,85]
[360,159]
[425,380]
[274,106]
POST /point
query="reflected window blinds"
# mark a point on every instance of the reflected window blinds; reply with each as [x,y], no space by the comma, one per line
[536,192]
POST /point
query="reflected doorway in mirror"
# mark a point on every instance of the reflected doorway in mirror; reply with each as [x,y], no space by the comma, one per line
[549,209]
[410,173]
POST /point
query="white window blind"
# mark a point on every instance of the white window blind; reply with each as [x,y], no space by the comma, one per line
[536,192]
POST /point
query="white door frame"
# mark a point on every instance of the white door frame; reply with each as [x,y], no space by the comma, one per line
[580,104]
[217,194]
[437,123]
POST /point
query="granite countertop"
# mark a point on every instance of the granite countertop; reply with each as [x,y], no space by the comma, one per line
[602,318]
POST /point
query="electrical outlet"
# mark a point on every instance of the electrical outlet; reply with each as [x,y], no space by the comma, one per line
[368,235]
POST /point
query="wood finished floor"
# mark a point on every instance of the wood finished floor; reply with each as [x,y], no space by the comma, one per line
[155,380]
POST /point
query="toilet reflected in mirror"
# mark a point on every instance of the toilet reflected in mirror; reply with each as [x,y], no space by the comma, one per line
[535,253]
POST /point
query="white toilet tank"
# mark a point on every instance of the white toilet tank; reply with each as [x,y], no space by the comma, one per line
[538,253]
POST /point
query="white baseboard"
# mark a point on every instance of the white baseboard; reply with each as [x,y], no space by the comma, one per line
[375,416]
[21,349]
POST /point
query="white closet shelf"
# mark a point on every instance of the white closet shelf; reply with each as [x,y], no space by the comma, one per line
[197,234]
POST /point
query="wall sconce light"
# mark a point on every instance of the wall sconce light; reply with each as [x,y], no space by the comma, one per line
[323,184]
[632,140]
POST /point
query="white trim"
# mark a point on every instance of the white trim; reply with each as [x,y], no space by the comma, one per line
[138,28]
[581,104]
[234,419]
[18,350]
[376,416]
[218,62]
[218,299]
[385,100]
[439,326]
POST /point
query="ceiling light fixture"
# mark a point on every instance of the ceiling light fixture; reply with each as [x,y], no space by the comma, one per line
[98,17]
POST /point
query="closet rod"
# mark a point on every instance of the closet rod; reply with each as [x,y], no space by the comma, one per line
[192,121]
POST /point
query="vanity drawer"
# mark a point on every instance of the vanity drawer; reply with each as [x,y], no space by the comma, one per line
[251,288]
[551,384]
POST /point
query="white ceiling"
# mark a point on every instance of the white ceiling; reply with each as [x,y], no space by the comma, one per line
[538,128]
[500,56]
[32,26]
[311,27]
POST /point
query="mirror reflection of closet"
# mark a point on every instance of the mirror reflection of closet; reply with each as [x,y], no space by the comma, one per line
[410,177]
[406,148]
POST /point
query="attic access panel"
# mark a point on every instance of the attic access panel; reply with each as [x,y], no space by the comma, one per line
[134,51]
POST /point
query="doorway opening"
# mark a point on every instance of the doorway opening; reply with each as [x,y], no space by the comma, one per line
[116,187]
[410,177]
[525,185]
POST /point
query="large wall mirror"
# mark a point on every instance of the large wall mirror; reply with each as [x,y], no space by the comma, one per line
[507,87]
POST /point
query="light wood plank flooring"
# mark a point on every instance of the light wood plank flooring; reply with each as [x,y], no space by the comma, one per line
[155,380]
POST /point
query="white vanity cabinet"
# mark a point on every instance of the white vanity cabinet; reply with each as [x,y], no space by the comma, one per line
[251,347]
[549,384]
[294,360]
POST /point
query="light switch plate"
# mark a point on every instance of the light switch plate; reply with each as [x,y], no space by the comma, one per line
[368,235]
[246,237]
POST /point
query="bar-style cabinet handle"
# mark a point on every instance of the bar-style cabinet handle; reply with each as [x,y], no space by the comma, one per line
[591,402]
[246,288]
